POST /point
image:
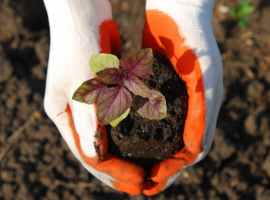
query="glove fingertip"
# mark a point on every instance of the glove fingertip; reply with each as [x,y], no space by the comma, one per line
[164,170]
[152,188]
[132,189]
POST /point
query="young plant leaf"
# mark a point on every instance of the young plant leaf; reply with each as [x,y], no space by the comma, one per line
[119,119]
[112,75]
[241,13]
[99,62]
[112,103]
[89,91]
[245,8]
[153,107]
[138,63]
[136,86]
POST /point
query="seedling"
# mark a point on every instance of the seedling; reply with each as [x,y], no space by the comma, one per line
[241,14]
[111,90]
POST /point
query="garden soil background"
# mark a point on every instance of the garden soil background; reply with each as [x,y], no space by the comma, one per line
[39,165]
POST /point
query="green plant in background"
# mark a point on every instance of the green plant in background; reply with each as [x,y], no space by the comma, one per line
[241,13]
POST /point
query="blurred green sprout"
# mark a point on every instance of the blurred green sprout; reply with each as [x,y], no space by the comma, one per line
[241,13]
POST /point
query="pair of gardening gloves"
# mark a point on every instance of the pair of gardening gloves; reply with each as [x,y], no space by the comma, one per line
[178,29]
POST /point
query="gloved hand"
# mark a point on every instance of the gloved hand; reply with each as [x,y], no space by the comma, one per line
[78,29]
[182,31]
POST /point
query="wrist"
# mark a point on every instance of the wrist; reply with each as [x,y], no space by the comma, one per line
[69,18]
[188,14]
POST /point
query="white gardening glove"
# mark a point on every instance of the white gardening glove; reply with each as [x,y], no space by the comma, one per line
[182,31]
[78,29]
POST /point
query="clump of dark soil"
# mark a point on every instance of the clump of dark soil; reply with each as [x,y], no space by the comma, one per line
[147,142]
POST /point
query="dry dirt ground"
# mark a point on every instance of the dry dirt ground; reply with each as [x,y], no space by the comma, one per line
[39,164]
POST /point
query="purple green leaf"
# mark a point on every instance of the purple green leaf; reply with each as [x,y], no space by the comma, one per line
[112,103]
[153,107]
[136,86]
[119,119]
[89,91]
[112,75]
[139,63]
[101,61]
